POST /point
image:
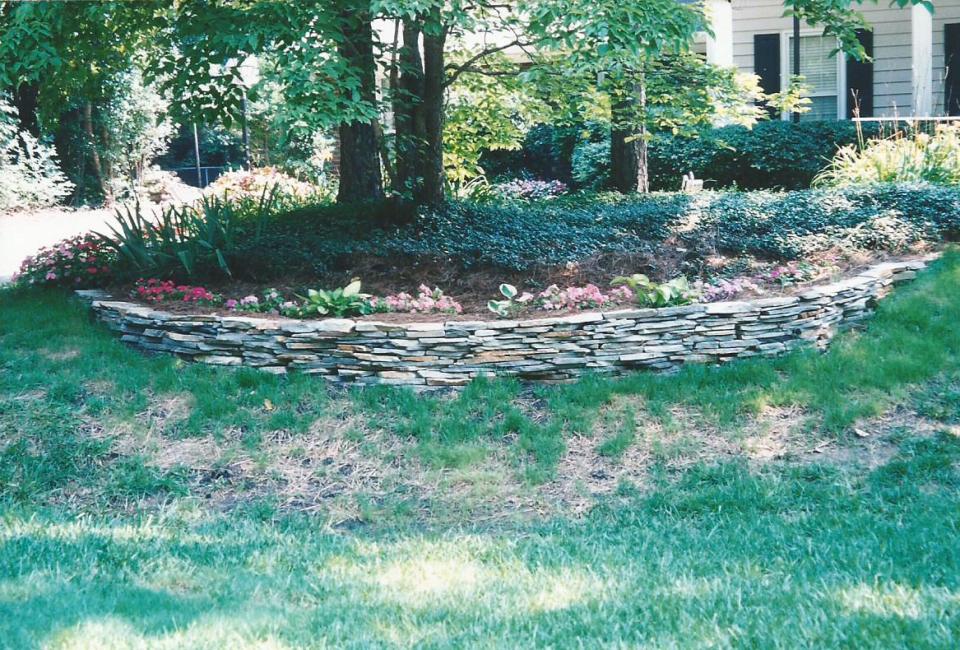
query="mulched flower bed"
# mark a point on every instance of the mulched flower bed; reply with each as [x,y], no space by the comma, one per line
[448,292]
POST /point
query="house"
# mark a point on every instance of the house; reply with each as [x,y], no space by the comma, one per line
[914,71]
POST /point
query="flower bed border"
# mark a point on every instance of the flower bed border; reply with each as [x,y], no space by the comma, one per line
[559,349]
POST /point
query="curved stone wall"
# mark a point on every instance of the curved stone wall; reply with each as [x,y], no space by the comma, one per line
[545,349]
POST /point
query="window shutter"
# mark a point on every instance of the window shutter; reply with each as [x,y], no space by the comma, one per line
[766,62]
[951,91]
[860,78]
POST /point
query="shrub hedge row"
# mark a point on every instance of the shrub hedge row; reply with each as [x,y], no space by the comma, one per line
[518,236]
[772,155]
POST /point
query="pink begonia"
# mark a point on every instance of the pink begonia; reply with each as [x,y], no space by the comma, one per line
[725,289]
[249,301]
[230,304]
[426,301]
[586,297]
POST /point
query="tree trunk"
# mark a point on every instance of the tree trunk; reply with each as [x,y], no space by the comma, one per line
[93,149]
[628,146]
[434,77]
[360,175]
[70,146]
[25,98]
[408,112]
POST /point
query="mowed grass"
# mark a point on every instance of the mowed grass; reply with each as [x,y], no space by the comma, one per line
[103,544]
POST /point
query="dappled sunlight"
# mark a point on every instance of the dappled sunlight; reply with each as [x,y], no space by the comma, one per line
[466,571]
[890,599]
[82,530]
[113,632]
[567,588]
[416,579]
[692,587]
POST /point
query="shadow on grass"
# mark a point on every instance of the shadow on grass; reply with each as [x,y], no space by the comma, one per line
[787,557]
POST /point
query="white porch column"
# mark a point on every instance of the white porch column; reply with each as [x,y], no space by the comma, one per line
[922,60]
[720,45]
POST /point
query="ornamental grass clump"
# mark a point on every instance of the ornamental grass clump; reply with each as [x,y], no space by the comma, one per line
[903,158]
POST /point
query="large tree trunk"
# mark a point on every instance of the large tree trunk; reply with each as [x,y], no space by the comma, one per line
[628,161]
[360,176]
[25,98]
[93,149]
[409,123]
[434,78]
[418,112]
[628,146]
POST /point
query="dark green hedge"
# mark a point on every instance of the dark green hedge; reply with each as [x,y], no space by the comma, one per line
[772,155]
[782,225]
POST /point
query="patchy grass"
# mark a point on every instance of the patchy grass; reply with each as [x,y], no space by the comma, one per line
[804,501]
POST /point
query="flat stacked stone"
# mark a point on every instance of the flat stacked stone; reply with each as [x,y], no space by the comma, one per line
[556,349]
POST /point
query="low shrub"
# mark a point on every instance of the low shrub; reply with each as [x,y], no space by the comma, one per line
[651,294]
[77,262]
[287,191]
[774,154]
[520,236]
[529,189]
[30,176]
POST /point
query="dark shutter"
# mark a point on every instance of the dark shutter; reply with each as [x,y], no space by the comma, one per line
[951,91]
[860,78]
[766,61]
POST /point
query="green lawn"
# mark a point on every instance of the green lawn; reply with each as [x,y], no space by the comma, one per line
[808,501]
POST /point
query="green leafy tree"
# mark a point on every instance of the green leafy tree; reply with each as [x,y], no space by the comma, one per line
[60,62]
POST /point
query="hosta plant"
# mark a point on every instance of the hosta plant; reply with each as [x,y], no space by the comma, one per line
[513,301]
[651,294]
[346,301]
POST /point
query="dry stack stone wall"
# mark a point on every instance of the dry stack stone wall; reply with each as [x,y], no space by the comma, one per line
[451,353]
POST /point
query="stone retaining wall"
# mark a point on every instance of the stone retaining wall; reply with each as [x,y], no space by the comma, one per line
[545,349]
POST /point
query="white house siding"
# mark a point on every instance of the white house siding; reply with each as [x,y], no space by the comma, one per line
[891,42]
[945,12]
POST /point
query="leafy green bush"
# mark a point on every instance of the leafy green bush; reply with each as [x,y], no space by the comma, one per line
[254,243]
[30,176]
[591,164]
[772,155]
[913,157]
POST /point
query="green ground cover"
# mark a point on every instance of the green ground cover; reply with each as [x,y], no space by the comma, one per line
[812,500]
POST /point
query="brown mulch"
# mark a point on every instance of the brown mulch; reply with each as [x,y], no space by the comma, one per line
[474,287]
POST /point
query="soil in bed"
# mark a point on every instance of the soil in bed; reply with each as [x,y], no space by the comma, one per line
[474,287]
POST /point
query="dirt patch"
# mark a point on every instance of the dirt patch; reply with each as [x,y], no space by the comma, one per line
[60,355]
[775,434]
[584,475]
[166,411]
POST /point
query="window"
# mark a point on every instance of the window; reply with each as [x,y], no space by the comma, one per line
[822,73]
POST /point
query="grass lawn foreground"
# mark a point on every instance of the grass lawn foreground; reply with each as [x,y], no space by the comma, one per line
[806,501]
